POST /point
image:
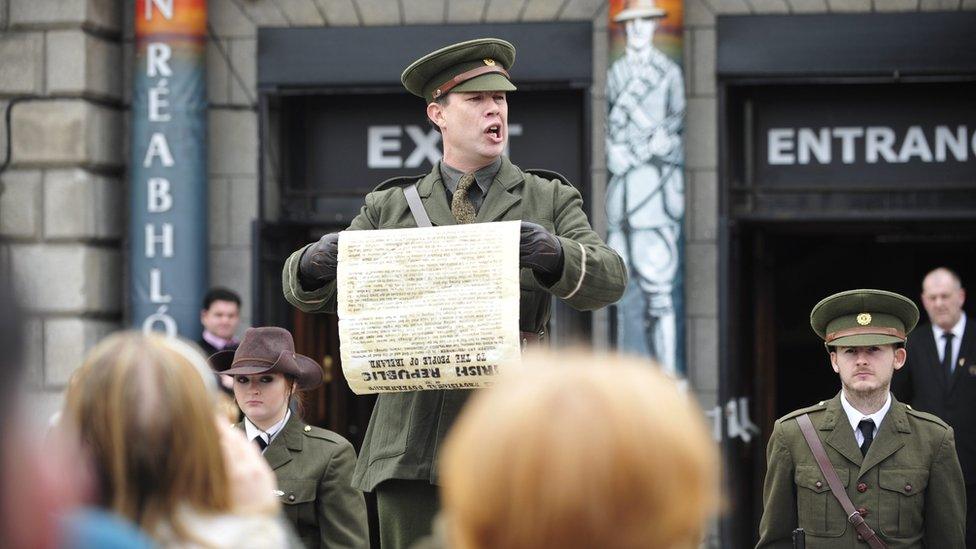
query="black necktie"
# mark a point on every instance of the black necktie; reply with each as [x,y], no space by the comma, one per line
[866,426]
[259,440]
[947,356]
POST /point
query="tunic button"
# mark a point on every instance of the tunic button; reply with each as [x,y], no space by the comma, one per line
[819,484]
[908,487]
[861,487]
[862,511]
[291,497]
[859,538]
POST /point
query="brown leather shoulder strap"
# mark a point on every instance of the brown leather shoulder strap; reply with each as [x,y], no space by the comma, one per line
[855,518]
[416,206]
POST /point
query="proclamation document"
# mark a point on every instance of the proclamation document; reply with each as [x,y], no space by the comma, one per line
[428,308]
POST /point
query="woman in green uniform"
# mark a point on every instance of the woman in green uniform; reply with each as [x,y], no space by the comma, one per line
[313,466]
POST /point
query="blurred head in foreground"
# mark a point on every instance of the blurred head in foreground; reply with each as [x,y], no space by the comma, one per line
[579,450]
[144,411]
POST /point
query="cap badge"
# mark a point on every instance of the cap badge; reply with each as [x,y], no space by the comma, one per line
[864,319]
[490,62]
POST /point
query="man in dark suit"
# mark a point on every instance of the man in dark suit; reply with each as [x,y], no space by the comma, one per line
[940,374]
[220,316]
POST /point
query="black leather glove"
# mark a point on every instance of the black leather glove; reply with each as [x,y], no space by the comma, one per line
[541,251]
[317,266]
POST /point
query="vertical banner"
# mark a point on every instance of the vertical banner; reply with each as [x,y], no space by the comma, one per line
[168,184]
[645,159]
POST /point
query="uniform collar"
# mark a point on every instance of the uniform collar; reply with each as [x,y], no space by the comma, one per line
[483,176]
[503,195]
[889,436]
[855,417]
[252,431]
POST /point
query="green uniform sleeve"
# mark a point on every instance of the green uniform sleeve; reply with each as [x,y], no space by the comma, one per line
[593,274]
[945,498]
[322,300]
[342,508]
[779,497]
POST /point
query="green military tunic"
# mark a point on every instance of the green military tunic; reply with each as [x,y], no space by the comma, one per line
[909,486]
[406,429]
[314,467]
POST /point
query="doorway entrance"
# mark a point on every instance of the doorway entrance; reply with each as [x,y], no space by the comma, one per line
[782,270]
[332,406]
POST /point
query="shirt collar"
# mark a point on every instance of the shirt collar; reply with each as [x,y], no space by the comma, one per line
[956,330]
[855,417]
[252,430]
[482,176]
[218,343]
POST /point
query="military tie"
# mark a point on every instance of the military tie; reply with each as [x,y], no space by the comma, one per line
[259,440]
[866,426]
[947,357]
[461,206]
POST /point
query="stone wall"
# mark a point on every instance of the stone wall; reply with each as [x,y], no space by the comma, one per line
[62,207]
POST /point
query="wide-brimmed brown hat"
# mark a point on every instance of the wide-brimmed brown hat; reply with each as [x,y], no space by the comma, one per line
[268,349]
[634,9]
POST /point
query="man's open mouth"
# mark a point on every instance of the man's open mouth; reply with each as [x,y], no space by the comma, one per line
[494,131]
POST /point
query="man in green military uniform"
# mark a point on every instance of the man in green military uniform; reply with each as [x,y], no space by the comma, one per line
[897,465]
[464,87]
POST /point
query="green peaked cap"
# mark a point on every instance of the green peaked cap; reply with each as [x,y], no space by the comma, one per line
[474,65]
[857,318]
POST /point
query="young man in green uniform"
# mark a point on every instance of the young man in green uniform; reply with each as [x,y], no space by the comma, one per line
[464,87]
[897,465]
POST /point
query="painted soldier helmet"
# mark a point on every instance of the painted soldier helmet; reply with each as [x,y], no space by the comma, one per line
[639,8]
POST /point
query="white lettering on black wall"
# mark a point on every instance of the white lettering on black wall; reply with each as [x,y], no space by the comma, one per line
[869,144]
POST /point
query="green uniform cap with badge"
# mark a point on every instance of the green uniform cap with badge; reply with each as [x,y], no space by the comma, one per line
[857,318]
[471,66]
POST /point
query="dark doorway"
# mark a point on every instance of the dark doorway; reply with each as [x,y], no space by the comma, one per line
[781,270]
[332,406]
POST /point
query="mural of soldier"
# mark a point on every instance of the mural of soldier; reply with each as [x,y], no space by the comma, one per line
[645,195]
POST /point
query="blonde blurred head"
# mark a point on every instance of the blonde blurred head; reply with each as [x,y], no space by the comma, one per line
[580,451]
[141,408]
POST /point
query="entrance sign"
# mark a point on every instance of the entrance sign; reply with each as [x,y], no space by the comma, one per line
[428,308]
[871,144]
[168,185]
[884,136]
